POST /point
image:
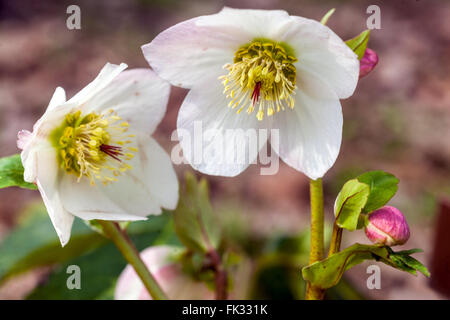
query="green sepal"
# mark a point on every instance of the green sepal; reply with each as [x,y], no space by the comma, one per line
[327,16]
[359,43]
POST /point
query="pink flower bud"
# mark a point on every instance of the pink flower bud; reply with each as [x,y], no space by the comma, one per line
[23,137]
[367,63]
[387,226]
[174,282]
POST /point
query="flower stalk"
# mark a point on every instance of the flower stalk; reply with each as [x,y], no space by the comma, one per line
[220,275]
[336,238]
[317,238]
[130,253]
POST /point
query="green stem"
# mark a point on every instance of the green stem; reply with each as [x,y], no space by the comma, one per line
[336,238]
[130,253]
[317,242]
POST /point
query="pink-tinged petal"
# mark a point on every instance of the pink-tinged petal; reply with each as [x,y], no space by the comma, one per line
[106,75]
[387,226]
[187,53]
[368,62]
[321,52]
[23,138]
[139,96]
[190,51]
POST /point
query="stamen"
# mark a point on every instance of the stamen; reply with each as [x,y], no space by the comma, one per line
[93,146]
[263,75]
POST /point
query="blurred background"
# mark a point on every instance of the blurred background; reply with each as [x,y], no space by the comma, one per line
[398,121]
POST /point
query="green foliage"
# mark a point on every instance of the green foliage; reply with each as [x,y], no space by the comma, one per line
[328,272]
[383,187]
[276,273]
[349,203]
[407,263]
[194,219]
[364,194]
[101,267]
[34,243]
[11,173]
[359,43]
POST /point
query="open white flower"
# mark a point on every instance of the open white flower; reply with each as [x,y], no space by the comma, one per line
[285,72]
[93,157]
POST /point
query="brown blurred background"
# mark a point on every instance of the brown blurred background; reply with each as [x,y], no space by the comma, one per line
[398,119]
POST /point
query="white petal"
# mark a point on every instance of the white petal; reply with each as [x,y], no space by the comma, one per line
[214,138]
[106,75]
[187,53]
[139,96]
[247,24]
[59,98]
[310,135]
[47,182]
[320,51]
[139,192]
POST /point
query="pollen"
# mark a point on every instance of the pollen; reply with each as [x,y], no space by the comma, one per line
[262,77]
[95,146]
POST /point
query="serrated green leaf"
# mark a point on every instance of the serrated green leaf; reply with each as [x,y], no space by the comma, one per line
[194,219]
[383,187]
[328,272]
[403,258]
[359,43]
[350,201]
[11,173]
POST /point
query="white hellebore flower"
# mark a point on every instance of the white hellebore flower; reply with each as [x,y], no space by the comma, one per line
[92,156]
[286,72]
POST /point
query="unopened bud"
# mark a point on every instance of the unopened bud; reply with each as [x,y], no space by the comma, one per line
[367,63]
[387,226]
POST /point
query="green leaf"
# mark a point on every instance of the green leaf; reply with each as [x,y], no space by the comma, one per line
[194,219]
[101,267]
[34,242]
[359,43]
[383,187]
[11,173]
[328,272]
[327,16]
[350,201]
[403,258]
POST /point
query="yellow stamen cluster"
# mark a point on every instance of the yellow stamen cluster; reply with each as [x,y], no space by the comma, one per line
[96,146]
[263,74]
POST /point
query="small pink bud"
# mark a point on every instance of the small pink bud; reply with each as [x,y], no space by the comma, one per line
[387,226]
[23,137]
[367,63]
[169,275]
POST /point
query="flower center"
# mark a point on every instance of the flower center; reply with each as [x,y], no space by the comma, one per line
[263,75]
[94,146]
